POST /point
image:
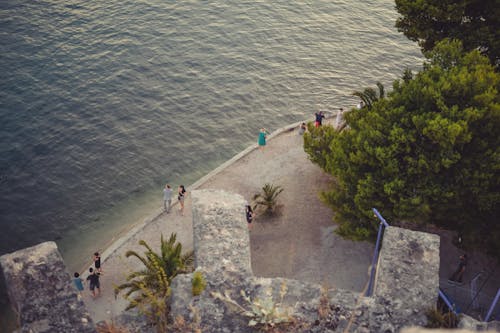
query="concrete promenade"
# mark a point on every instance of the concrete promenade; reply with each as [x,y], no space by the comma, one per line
[298,244]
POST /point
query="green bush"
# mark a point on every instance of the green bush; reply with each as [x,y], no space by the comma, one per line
[198,283]
[268,198]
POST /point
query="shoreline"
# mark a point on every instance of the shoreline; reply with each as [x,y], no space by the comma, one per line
[301,237]
[113,246]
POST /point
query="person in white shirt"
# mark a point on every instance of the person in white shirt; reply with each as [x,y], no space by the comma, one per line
[167,198]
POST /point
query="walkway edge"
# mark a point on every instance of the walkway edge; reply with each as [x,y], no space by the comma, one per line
[116,245]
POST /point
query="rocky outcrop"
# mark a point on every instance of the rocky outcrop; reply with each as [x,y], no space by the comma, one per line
[42,293]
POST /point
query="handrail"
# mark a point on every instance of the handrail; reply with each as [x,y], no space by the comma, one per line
[446,301]
[381,227]
[493,304]
[380,217]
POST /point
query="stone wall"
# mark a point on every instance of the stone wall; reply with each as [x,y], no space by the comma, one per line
[42,293]
[406,286]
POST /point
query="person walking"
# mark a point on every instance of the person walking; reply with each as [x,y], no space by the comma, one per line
[167,198]
[77,280]
[262,138]
[459,272]
[181,197]
[94,284]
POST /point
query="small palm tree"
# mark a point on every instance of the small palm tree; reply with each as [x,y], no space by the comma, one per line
[369,95]
[268,198]
[149,288]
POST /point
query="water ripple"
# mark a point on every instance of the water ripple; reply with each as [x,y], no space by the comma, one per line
[102,101]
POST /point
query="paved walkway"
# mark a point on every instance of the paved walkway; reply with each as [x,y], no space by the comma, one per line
[298,244]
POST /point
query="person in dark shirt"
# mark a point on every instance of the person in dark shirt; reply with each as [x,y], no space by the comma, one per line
[319,118]
[249,215]
[97,262]
[459,272]
[94,284]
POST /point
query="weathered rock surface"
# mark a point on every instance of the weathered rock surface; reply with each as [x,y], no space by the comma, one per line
[42,293]
[470,323]
[406,286]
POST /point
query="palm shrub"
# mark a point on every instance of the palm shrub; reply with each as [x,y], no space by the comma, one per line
[268,198]
[370,96]
[149,288]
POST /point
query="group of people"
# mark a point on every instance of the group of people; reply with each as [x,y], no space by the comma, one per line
[167,198]
[92,278]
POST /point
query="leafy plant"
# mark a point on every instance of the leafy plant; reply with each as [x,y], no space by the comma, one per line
[149,288]
[198,283]
[268,198]
[370,96]
[438,319]
[265,313]
[427,153]
[317,143]
[474,22]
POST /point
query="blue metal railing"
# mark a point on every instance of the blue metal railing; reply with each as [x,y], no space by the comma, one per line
[447,301]
[381,228]
[493,304]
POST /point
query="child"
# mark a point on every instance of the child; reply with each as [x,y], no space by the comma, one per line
[78,284]
[94,284]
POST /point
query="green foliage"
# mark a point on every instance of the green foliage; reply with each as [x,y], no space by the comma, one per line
[264,313]
[370,95]
[198,283]
[429,152]
[474,22]
[268,198]
[317,143]
[148,289]
[438,319]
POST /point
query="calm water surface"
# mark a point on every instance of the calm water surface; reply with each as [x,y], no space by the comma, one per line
[102,102]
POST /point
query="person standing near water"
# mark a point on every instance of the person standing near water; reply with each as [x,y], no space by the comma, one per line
[302,128]
[262,138]
[167,198]
[339,118]
[181,197]
[319,116]
[97,262]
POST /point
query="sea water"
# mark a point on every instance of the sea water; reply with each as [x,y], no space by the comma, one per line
[103,102]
